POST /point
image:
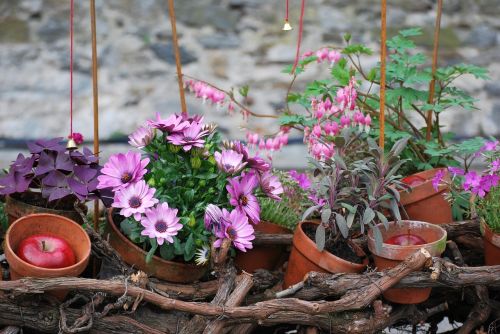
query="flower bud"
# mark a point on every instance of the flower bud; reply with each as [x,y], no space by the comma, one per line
[173,148]
[195,162]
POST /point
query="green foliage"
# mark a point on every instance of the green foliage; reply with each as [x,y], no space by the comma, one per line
[488,209]
[288,211]
[3,217]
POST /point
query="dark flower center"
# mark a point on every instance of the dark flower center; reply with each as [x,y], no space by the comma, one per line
[228,166]
[126,177]
[244,200]
[188,138]
[134,202]
[161,227]
[231,232]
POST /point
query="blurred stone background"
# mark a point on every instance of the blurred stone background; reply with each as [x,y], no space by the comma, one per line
[228,42]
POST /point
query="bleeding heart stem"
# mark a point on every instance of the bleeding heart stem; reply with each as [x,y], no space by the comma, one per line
[43,246]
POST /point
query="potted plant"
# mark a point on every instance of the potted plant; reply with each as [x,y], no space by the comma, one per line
[45,245]
[52,179]
[277,217]
[187,191]
[481,188]
[352,196]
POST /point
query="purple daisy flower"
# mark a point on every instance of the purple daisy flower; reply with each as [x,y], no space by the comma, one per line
[301,179]
[229,161]
[161,222]
[456,171]
[436,180]
[241,192]
[141,137]
[172,124]
[256,162]
[189,137]
[121,170]
[239,230]
[213,217]
[271,185]
[135,199]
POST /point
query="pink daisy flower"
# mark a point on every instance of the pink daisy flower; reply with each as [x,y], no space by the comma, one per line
[239,231]
[161,222]
[172,124]
[229,161]
[271,185]
[121,170]
[241,192]
[141,137]
[189,137]
[256,162]
[135,199]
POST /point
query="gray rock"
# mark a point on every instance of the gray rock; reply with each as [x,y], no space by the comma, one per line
[482,36]
[13,30]
[165,52]
[199,14]
[495,115]
[219,41]
[53,29]
[493,89]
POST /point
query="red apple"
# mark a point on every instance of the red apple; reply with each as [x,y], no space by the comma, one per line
[405,240]
[46,251]
[413,180]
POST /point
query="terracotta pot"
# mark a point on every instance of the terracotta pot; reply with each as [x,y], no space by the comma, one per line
[267,257]
[491,245]
[44,223]
[389,256]
[16,207]
[306,257]
[424,203]
[171,271]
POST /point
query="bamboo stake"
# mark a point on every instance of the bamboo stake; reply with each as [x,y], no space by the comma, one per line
[175,43]
[383,51]
[432,84]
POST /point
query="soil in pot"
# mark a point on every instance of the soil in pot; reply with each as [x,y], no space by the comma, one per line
[491,245]
[22,204]
[306,257]
[268,257]
[409,235]
[172,271]
[46,224]
[423,202]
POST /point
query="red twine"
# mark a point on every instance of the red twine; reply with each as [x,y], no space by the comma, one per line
[72,10]
[301,26]
[286,13]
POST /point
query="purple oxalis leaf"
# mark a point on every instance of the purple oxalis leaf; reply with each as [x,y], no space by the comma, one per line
[63,162]
[46,163]
[40,145]
[85,158]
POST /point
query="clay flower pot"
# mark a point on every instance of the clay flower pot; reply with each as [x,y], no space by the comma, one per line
[44,223]
[424,203]
[267,257]
[20,205]
[171,271]
[388,256]
[491,245]
[306,257]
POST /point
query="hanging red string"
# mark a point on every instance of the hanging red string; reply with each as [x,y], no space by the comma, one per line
[286,13]
[72,10]
[301,27]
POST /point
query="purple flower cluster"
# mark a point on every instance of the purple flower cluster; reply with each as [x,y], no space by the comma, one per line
[57,172]
[477,183]
[236,225]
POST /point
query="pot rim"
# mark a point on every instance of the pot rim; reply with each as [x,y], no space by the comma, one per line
[311,247]
[21,220]
[420,191]
[388,251]
[122,237]
[14,199]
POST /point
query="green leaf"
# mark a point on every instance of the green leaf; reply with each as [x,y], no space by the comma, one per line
[341,73]
[350,208]
[178,250]
[350,219]
[377,235]
[357,49]
[325,215]
[395,210]
[410,32]
[244,91]
[368,216]
[167,251]
[154,247]
[383,219]
[189,248]
[320,237]
[342,224]
[310,211]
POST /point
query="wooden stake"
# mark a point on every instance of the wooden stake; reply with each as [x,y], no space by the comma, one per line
[432,84]
[383,51]
[175,44]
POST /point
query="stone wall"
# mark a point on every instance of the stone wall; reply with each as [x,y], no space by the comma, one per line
[228,42]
